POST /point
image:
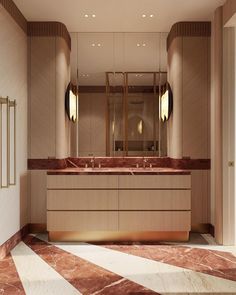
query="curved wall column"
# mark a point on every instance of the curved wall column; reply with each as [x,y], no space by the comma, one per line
[189,76]
[49,74]
[49,126]
[189,125]
[62,79]
[175,124]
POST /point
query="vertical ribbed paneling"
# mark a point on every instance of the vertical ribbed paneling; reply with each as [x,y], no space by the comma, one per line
[191,29]
[49,29]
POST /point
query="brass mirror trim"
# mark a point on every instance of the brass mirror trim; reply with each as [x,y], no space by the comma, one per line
[125,108]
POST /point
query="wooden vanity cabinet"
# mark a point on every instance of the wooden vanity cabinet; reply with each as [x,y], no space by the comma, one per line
[118,204]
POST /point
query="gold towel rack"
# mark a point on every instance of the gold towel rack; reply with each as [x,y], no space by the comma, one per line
[9,105]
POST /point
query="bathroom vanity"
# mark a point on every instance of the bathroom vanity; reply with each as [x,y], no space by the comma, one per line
[126,204]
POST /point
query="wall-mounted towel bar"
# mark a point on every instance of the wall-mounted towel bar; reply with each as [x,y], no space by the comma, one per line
[7,142]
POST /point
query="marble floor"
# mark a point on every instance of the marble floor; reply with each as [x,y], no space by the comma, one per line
[37,267]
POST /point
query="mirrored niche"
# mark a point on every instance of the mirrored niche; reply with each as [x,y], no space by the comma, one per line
[120,77]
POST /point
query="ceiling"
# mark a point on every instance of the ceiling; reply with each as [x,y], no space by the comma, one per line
[118,15]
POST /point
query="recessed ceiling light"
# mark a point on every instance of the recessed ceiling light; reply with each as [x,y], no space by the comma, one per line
[138,44]
[93,44]
[86,15]
[99,45]
[151,15]
[93,15]
[144,44]
[144,15]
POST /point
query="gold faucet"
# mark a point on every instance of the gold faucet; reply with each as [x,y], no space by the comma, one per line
[144,162]
[92,162]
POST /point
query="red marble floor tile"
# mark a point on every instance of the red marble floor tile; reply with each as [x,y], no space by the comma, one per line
[86,277]
[10,283]
[212,262]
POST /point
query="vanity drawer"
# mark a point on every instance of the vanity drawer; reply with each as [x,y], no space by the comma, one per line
[155,181]
[154,220]
[82,181]
[82,200]
[154,199]
[82,220]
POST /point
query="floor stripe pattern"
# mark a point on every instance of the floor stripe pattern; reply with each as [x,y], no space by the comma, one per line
[10,283]
[36,267]
[86,277]
[212,262]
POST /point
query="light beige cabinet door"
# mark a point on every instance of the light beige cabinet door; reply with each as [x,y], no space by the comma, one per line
[82,220]
[155,199]
[155,181]
[82,182]
[82,200]
[154,220]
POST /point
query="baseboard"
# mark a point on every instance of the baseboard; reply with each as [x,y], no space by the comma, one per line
[6,247]
[35,228]
[212,230]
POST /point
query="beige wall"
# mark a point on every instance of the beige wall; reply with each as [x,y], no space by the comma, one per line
[229,91]
[42,97]
[175,76]
[62,79]
[13,83]
[216,123]
[38,194]
[189,76]
[223,123]
[49,75]
[49,127]
[189,124]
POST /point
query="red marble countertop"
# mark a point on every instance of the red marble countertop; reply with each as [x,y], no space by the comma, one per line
[119,171]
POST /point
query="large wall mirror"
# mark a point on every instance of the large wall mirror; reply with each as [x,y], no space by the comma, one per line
[121,77]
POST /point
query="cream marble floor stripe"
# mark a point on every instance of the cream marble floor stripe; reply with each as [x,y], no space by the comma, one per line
[212,245]
[157,276]
[37,277]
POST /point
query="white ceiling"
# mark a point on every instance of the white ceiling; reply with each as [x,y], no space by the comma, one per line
[118,15]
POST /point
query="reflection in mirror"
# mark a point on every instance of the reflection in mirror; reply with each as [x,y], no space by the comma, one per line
[119,94]
[115,94]
[162,130]
[142,107]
